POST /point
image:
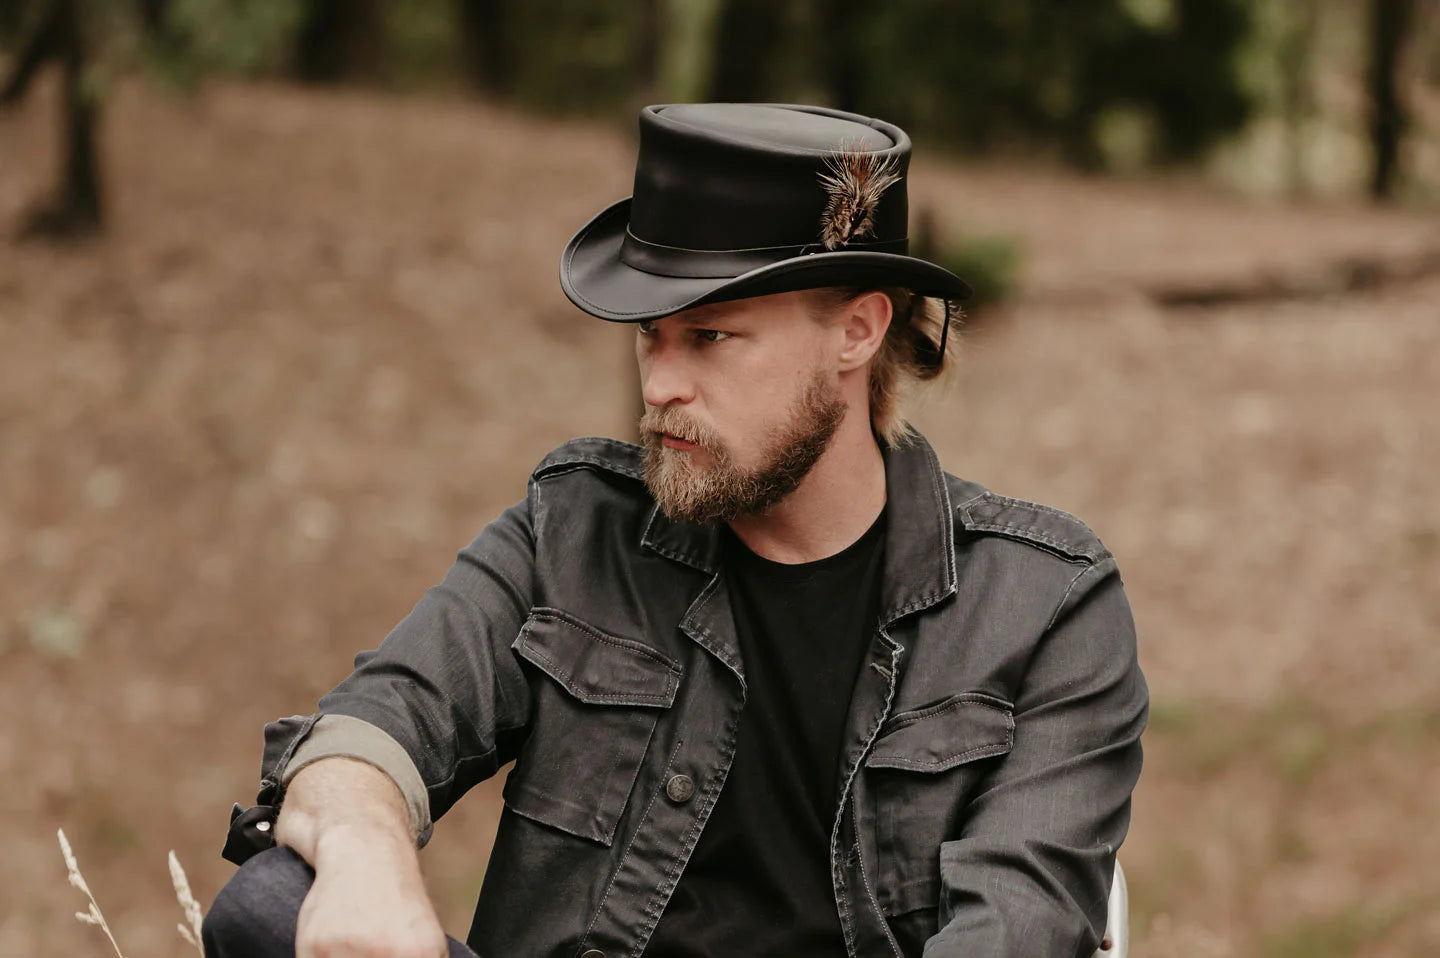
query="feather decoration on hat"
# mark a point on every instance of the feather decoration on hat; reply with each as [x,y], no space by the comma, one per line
[853,185]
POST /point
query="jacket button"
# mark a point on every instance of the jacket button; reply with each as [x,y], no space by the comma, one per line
[593,953]
[678,790]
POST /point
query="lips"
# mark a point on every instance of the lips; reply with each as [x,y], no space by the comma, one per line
[675,442]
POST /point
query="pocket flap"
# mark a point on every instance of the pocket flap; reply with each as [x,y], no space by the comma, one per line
[960,729]
[594,666]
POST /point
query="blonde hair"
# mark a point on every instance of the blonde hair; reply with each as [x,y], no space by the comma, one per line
[908,355]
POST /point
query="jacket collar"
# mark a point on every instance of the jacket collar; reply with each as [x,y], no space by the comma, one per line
[920,538]
[919,541]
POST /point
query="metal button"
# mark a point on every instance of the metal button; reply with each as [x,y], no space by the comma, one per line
[679,789]
[593,953]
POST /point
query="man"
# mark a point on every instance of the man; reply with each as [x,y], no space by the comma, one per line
[774,684]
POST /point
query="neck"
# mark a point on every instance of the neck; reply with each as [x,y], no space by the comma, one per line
[838,501]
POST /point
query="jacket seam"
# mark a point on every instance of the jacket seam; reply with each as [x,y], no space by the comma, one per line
[1092,550]
[895,651]
[545,470]
[963,506]
[865,880]
[947,529]
[648,542]
[612,698]
[713,645]
[908,718]
[625,856]
[957,759]
[1055,616]
[678,557]
[277,773]
[710,797]
[616,641]
[839,879]
[1029,533]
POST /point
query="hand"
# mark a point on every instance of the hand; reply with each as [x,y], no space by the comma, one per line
[368,901]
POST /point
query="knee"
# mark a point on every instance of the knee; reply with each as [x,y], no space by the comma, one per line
[256,912]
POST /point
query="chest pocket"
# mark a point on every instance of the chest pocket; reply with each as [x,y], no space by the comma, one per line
[922,769]
[596,701]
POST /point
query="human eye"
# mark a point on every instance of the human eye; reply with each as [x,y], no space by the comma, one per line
[647,327]
[713,335]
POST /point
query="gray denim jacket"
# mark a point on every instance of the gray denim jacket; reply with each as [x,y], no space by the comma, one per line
[990,750]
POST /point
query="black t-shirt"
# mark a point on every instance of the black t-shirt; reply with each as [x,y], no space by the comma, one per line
[758,882]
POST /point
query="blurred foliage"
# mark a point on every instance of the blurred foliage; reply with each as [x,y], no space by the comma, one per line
[576,55]
[1344,933]
[988,263]
[423,44]
[198,37]
[11,19]
[1115,85]
[972,73]
[1024,73]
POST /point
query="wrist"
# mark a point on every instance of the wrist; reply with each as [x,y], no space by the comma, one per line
[343,843]
[338,807]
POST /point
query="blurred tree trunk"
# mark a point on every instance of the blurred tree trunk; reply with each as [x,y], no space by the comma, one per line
[748,40]
[76,207]
[340,40]
[1297,87]
[155,22]
[1389,23]
[689,38]
[485,44]
[840,54]
[646,61]
[154,14]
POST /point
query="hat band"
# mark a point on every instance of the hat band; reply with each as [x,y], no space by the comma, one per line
[679,262]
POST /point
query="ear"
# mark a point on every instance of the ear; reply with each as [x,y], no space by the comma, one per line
[865,320]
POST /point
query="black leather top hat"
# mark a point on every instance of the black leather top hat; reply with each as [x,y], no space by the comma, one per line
[744,199]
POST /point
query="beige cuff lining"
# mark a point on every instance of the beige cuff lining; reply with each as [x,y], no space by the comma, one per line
[350,737]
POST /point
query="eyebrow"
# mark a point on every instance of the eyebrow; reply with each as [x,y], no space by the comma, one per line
[713,313]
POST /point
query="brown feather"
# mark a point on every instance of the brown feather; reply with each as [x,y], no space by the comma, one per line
[853,185]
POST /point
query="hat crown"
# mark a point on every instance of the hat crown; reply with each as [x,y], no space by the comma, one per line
[747,177]
[735,200]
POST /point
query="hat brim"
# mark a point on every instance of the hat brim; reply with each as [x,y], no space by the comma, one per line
[597,281]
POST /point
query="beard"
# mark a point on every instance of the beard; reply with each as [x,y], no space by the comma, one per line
[723,491]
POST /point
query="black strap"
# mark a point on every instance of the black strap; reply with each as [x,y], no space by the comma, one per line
[944,333]
[929,353]
[685,263]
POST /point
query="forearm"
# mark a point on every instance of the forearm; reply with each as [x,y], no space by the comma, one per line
[341,803]
[350,822]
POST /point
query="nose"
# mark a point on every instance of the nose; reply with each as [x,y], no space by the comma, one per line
[664,376]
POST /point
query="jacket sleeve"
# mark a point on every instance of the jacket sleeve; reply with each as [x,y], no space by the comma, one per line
[1030,872]
[443,685]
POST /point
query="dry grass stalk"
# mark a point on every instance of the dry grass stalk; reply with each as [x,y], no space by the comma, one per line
[93,916]
[188,903]
[193,914]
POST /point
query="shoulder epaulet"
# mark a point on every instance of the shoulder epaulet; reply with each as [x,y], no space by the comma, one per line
[594,452]
[980,510]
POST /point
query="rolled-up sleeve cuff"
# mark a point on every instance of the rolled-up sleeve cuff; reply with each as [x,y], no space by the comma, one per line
[350,737]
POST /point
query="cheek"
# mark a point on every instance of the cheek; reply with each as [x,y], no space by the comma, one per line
[745,418]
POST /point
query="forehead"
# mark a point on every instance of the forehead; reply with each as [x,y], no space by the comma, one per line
[738,310]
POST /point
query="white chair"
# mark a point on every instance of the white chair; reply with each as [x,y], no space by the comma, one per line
[1116,943]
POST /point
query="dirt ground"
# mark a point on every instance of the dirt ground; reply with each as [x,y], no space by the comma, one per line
[323,342]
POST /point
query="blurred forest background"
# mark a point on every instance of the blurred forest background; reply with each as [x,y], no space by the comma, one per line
[280,330]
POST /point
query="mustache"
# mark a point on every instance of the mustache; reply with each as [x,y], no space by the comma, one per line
[668,419]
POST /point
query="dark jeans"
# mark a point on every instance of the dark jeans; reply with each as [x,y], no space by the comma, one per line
[255,914]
